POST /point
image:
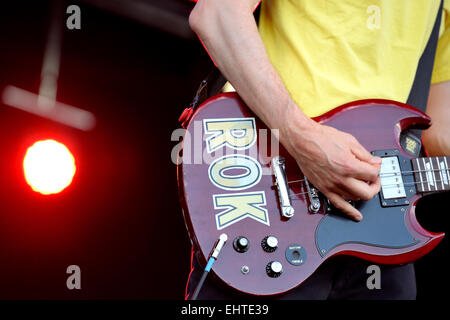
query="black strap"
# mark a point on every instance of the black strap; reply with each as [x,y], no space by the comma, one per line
[420,89]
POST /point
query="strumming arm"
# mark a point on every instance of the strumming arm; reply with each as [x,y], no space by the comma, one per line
[332,160]
[229,32]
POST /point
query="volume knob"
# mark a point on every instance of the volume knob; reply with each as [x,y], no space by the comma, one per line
[274,269]
[269,243]
[241,244]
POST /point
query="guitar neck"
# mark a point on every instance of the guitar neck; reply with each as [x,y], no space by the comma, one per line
[431,174]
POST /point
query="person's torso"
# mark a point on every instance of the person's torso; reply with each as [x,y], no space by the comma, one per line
[332,52]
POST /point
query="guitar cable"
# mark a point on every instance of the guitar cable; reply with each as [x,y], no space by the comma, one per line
[213,257]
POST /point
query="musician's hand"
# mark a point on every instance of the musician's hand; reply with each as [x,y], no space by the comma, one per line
[335,163]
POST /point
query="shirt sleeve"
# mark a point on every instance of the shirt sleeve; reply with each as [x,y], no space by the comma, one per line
[441,70]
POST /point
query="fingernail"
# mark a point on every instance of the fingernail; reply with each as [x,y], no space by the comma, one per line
[358,217]
[376,160]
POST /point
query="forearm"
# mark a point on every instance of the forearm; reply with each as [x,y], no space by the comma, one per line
[437,138]
[229,33]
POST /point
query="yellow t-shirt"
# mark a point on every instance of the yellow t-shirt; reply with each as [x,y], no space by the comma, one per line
[441,71]
[332,52]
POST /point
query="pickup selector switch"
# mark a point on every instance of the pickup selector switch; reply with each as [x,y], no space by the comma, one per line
[274,269]
[269,243]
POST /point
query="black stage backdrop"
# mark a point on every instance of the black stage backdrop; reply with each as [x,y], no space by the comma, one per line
[120,220]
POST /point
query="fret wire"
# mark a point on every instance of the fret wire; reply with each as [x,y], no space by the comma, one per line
[440,173]
[422,178]
[437,177]
[425,167]
[419,175]
[432,174]
[446,171]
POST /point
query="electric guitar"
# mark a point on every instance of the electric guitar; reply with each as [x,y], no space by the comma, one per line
[235,178]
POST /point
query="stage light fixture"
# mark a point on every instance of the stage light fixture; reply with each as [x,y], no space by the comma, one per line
[49,167]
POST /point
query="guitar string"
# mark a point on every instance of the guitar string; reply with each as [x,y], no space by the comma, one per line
[388,185]
[392,174]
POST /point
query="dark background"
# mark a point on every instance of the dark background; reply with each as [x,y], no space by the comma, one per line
[120,220]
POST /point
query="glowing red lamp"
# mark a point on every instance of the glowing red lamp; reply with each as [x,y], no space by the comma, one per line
[49,167]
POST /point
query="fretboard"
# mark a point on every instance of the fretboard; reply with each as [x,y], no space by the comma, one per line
[431,174]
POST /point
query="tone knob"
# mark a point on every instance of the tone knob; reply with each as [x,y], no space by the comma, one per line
[269,243]
[241,244]
[274,269]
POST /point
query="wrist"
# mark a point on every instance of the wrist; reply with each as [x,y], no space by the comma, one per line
[296,125]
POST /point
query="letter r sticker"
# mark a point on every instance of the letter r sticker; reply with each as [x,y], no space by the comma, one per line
[236,133]
[240,206]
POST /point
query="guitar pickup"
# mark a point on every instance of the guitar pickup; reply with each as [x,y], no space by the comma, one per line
[278,168]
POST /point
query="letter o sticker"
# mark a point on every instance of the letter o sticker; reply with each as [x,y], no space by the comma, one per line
[248,172]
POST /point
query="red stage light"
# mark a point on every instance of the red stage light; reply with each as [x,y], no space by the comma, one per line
[49,167]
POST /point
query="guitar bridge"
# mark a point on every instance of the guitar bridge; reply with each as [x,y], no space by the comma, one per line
[313,196]
[278,168]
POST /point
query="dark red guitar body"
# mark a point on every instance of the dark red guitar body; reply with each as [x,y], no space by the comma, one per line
[210,202]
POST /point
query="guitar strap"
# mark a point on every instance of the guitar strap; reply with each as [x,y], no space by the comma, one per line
[420,89]
[418,95]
